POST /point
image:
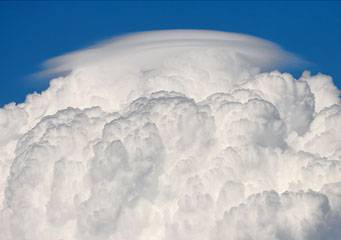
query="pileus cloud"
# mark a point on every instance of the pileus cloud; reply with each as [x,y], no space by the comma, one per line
[176,135]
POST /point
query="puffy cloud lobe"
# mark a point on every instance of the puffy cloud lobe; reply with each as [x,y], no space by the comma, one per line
[269,215]
[198,142]
[292,98]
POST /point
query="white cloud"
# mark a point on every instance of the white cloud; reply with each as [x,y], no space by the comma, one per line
[173,135]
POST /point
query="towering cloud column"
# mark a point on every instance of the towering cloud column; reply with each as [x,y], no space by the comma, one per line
[173,135]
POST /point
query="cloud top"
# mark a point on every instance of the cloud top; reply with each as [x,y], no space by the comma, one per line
[149,49]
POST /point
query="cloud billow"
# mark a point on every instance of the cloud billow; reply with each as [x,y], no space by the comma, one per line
[182,134]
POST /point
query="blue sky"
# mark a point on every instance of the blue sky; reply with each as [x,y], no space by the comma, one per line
[31,32]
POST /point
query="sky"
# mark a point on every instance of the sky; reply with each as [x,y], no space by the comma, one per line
[32,32]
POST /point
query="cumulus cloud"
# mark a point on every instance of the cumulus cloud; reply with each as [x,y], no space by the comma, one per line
[173,135]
